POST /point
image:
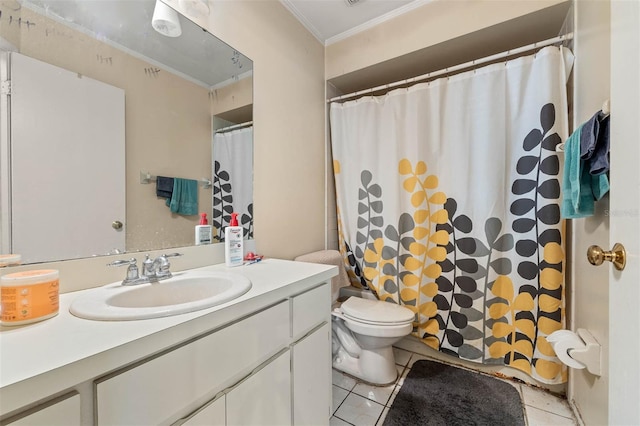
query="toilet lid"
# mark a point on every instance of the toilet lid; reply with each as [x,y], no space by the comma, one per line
[376,311]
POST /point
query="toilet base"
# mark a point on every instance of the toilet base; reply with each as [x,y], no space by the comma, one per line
[374,366]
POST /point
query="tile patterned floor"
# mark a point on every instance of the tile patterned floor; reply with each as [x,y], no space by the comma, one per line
[355,403]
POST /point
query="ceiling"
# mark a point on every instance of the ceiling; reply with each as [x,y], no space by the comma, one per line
[331,20]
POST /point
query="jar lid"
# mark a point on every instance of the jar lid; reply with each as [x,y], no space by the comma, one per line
[9,259]
[29,277]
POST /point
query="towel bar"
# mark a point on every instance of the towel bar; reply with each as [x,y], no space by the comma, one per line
[146,178]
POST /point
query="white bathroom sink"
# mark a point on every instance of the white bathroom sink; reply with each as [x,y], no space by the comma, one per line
[184,292]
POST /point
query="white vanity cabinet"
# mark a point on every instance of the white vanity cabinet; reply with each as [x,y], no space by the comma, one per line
[250,361]
[161,388]
[264,360]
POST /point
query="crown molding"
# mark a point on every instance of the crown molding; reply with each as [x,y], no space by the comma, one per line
[303,20]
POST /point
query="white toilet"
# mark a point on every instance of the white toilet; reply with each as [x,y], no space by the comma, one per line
[363,332]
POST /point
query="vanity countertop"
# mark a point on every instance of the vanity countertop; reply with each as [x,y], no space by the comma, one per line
[47,357]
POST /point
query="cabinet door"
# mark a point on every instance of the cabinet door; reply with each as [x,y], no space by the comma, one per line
[169,384]
[312,378]
[264,398]
[211,415]
[62,413]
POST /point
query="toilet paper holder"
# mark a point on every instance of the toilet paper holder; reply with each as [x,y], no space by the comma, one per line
[589,355]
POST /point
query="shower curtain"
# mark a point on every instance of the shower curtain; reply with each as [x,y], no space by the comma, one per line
[233,180]
[448,204]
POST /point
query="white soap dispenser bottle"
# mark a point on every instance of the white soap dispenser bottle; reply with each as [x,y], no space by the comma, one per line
[203,231]
[233,251]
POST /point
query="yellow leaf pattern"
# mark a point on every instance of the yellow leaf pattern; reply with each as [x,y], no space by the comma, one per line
[406,263]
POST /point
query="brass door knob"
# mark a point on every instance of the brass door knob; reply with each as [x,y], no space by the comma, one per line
[116,224]
[618,256]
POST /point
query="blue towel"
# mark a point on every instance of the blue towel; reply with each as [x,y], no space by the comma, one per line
[594,144]
[184,199]
[164,187]
[580,189]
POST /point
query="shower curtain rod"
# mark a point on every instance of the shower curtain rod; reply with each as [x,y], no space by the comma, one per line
[234,127]
[459,67]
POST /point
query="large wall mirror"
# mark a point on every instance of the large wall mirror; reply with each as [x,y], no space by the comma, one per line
[96,105]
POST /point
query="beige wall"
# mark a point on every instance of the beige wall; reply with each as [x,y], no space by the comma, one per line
[288,100]
[155,139]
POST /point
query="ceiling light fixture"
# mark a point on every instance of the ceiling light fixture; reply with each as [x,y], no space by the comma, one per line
[165,20]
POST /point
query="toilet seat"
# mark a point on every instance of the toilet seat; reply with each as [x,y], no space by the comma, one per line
[376,312]
[375,330]
[376,318]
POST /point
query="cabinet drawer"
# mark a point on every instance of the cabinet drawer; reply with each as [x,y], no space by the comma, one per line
[161,389]
[310,309]
[62,412]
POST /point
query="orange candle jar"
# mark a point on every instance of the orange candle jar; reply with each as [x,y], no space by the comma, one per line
[29,296]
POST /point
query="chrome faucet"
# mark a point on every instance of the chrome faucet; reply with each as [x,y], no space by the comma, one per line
[158,268]
[152,270]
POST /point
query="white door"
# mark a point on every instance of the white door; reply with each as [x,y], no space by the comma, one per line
[624,286]
[63,206]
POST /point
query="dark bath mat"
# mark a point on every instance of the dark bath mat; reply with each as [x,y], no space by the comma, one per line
[437,394]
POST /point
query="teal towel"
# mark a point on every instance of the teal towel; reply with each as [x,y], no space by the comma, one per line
[184,199]
[580,189]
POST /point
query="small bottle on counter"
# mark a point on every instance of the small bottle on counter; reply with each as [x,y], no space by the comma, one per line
[203,231]
[233,251]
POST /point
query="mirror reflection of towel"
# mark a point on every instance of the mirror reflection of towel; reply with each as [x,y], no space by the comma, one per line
[184,198]
[164,187]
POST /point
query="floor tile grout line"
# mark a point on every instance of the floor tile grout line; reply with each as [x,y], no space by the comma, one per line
[340,418]
[547,411]
[348,390]
[340,405]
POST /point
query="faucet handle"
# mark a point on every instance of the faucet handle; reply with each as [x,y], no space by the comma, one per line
[131,261]
[132,270]
[164,265]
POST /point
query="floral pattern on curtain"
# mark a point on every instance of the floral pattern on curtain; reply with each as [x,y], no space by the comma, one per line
[233,180]
[448,203]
